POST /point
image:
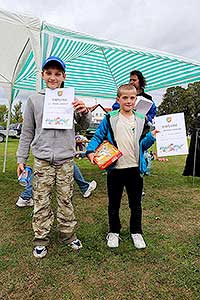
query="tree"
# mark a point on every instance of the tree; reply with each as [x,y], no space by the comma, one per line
[172,101]
[3,114]
[16,116]
[193,98]
[178,99]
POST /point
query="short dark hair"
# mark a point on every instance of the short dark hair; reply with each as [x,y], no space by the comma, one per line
[126,87]
[62,85]
[53,61]
[53,64]
[141,78]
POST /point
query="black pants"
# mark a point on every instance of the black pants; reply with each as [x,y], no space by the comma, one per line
[117,179]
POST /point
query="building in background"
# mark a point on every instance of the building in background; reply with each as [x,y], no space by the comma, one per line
[98,113]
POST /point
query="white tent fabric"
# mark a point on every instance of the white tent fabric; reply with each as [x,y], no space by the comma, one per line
[95,67]
[20,36]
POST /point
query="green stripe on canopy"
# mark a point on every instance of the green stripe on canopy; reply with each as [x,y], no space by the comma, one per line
[97,67]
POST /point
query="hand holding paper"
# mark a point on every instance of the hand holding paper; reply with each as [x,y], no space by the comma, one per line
[154,132]
[79,106]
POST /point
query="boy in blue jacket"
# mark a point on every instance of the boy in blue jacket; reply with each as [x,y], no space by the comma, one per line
[124,128]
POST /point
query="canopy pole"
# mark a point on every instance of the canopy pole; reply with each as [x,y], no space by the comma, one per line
[7,128]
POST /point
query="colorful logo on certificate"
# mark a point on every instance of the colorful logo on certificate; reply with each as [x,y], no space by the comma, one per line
[60,93]
[169,119]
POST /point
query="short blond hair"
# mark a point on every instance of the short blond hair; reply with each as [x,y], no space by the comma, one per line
[126,87]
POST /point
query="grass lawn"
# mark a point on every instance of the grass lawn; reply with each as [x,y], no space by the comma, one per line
[169,268]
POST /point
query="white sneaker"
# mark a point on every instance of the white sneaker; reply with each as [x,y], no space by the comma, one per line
[138,241]
[92,187]
[76,244]
[40,251]
[112,240]
[23,202]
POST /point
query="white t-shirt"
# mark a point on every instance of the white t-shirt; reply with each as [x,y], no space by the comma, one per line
[125,139]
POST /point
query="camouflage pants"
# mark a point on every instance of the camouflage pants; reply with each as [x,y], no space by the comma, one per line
[45,177]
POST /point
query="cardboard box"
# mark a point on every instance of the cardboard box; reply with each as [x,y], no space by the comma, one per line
[106,154]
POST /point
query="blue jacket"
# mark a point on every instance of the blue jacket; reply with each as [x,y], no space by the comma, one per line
[106,131]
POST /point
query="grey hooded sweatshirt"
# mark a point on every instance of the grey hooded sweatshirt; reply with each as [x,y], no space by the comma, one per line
[53,145]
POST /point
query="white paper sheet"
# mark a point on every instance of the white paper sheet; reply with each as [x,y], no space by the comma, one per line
[58,109]
[143,105]
[172,139]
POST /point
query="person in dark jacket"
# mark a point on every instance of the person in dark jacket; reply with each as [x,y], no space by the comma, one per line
[193,159]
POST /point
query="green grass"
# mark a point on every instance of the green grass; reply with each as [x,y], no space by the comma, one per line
[169,268]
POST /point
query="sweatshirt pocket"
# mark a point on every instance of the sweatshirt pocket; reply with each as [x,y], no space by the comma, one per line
[43,140]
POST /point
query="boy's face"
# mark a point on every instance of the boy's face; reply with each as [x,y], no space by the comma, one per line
[53,77]
[134,80]
[127,100]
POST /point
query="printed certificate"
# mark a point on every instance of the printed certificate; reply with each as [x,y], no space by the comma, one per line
[58,110]
[172,139]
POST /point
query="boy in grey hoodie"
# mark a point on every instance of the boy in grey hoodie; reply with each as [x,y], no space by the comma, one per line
[53,151]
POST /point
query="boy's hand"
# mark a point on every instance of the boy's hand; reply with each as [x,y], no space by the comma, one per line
[20,169]
[91,158]
[79,106]
[154,132]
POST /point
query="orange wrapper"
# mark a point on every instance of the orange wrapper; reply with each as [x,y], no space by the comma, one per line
[106,154]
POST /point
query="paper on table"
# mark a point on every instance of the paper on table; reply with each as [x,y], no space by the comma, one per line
[58,110]
[143,105]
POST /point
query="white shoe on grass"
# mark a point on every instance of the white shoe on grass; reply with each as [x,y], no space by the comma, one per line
[92,186]
[112,240]
[138,241]
[40,251]
[23,202]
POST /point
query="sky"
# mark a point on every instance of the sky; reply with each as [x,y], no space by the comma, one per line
[171,26]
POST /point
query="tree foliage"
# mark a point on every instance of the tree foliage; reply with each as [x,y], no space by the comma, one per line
[16,116]
[3,114]
[178,99]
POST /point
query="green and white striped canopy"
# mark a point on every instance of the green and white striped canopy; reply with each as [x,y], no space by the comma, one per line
[97,67]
